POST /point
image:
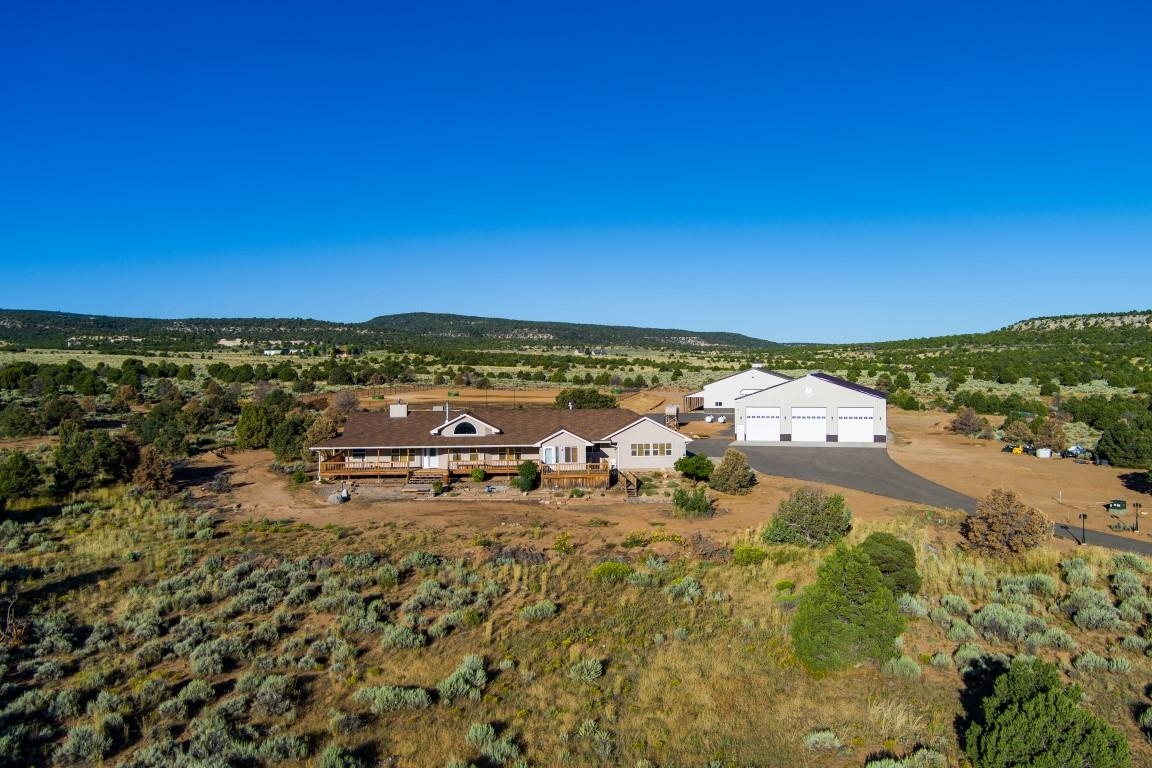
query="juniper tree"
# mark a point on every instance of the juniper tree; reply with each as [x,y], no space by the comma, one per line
[847,616]
[733,475]
[1032,719]
[1004,525]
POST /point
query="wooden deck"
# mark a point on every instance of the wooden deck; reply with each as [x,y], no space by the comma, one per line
[585,475]
[580,475]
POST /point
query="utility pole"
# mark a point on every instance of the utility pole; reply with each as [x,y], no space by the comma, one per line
[1083,532]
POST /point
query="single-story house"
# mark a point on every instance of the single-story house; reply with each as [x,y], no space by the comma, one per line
[723,393]
[816,408]
[571,447]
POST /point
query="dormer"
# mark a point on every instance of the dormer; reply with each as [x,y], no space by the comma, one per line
[465,425]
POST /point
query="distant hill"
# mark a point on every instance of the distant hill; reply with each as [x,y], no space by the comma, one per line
[1141,319]
[34,328]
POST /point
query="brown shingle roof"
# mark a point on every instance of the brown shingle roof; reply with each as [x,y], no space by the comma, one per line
[517,427]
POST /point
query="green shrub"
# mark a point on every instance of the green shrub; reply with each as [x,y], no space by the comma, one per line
[586,670]
[1134,643]
[911,606]
[902,666]
[610,572]
[810,517]
[692,504]
[84,744]
[1092,609]
[392,698]
[1076,572]
[336,756]
[1126,585]
[398,636]
[896,560]
[282,747]
[1053,637]
[955,605]
[1131,561]
[961,632]
[478,475]
[746,554]
[695,466]
[686,590]
[545,609]
[733,475]
[1089,662]
[467,681]
[1031,718]
[498,751]
[967,655]
[1009,623]
[846,616]
[528,476]
[822,740]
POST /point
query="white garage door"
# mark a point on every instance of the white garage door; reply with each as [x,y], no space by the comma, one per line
[762,424]
[809,425]
[854,425]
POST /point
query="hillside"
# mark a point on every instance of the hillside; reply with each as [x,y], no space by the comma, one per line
[33,328]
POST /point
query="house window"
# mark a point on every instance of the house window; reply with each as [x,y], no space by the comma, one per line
[719,404]
[510,454]
[358,454]
[464,428]
[568,454]
[651,449]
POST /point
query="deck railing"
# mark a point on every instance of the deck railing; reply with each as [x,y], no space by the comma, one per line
[584,468]
[366,465]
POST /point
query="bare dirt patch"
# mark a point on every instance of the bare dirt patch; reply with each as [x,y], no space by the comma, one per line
[1061,488]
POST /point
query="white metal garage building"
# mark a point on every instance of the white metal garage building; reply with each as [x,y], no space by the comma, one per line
[722,393]
[817,408]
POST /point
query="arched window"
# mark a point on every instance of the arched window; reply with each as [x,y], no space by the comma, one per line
[464,428]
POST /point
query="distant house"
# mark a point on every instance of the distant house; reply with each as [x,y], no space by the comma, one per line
[723,393]
[813,409]
[571,447]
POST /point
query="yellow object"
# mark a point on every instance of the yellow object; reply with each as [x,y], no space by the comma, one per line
[1017,449]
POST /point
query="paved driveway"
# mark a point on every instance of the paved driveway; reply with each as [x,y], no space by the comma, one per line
[863,469]
[872,471]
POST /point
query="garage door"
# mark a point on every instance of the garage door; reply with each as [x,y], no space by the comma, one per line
[854,425]
[809,425]
[762,424]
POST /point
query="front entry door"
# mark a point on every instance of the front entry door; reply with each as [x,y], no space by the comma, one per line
[430,459]
[549,454]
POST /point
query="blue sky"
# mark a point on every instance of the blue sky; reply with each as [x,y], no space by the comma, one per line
[793,171]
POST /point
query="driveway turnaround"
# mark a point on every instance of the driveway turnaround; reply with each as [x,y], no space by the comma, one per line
[862,469]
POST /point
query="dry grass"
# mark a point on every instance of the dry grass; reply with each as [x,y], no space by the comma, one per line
[683,684]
